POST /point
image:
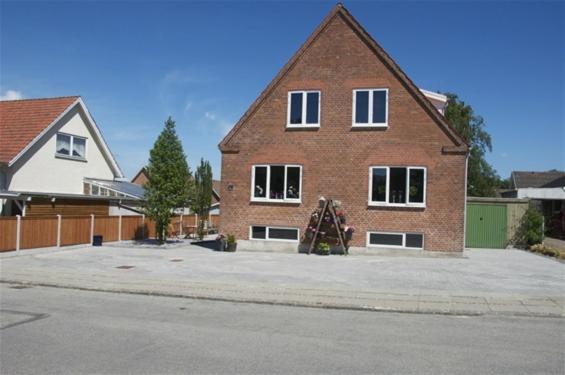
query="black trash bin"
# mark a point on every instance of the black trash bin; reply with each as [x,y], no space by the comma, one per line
[96,240]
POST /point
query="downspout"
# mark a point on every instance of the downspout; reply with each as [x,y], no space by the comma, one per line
[465,203]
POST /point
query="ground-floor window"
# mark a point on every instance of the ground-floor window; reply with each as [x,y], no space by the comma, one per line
[262,232]
[395,239]
[278,183]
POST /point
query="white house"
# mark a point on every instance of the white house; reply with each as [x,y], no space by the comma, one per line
[54,160]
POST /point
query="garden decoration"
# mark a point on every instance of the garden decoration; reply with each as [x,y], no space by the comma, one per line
[327,227]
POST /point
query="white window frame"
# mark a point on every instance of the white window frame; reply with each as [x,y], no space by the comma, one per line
[304,109]
[267,230]
[71,145]
[267,199]
[403,234]
[370,122]
[386,202]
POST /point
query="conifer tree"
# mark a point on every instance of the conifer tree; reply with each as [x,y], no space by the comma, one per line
[169,185]
[202,194]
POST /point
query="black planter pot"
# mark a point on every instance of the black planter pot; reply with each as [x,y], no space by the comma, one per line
[231,247]
[221,245]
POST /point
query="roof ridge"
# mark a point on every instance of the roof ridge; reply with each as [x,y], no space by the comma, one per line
[48,98]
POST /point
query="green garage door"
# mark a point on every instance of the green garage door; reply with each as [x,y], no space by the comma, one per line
[486,225]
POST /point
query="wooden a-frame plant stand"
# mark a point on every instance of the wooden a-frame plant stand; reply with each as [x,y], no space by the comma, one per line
[328,207]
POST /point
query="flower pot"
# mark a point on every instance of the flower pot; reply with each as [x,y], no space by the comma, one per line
[221,245]
[231,247]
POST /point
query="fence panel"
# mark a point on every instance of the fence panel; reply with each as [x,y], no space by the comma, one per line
[38,232]
[8,228]
[107,227]
[132,228]
[75,230]
[215,221]
[150,226]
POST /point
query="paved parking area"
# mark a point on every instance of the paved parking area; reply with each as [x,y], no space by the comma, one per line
[514,277]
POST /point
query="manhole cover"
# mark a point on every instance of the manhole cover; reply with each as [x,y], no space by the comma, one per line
[176,260]
[125,267]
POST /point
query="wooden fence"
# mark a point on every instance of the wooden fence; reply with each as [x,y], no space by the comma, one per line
[49,231]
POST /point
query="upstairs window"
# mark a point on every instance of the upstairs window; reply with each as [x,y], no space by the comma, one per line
[370,107]
[397,186]
[278,183]
[70,146]
[303,109]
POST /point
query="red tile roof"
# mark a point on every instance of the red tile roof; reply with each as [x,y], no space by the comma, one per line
[23,120]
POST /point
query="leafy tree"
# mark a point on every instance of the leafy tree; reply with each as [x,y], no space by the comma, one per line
[534,226]
[482,179]
[169,185]
[203,194]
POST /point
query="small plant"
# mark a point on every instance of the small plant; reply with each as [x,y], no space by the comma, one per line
[323,248]
[231,244]
[533,226]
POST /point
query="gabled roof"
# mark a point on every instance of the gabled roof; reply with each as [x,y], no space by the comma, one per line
[24,122]
[522,179]
[340,11]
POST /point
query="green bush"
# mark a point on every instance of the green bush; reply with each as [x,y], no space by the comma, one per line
[231,238]
[323,248]
[534,226]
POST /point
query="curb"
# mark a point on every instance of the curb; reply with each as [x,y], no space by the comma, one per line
[258,301]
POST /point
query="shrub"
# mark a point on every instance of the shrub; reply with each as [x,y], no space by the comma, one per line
[533,226]
[323,248]
[231,239]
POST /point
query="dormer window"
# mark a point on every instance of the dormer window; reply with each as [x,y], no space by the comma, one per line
[370,108]
[71,146]
[303,109]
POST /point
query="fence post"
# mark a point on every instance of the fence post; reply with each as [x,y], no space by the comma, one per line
[180,226]
[18,231]
[120,228]
[91,228]
[58,230]
[143,226]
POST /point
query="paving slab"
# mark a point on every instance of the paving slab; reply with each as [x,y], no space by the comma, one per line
[479,282]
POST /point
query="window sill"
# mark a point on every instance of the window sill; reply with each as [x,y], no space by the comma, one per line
[282,201]
[67,157]
[302,126]
[401,205]
[394,247]
[272,240]
[369,126]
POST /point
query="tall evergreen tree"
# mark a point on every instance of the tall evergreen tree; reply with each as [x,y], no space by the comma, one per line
[169,185]
[482,179]
[202,194]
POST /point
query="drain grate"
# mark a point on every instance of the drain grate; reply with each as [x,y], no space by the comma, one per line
[125,267]
[176,260]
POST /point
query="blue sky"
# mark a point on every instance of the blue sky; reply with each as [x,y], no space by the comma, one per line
[135,63]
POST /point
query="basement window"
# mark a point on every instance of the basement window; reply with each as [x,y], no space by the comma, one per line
[392,239]
[260,232]
[70,146]
[276,183]
[370,108]
[397,186]
[303,109]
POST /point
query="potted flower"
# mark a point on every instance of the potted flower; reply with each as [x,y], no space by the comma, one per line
[221,242]
[231,243]
[323,248]
[349,230]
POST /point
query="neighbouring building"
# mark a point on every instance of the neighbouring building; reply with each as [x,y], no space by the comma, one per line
[141,179]
[546,191]
[342,120]
[54,160]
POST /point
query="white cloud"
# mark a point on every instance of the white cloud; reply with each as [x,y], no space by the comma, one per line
[210,115]
[11,95]
[187,106]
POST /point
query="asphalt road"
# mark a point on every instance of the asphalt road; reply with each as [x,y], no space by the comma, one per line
[49,330]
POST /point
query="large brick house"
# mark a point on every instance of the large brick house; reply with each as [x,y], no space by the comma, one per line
[342,120]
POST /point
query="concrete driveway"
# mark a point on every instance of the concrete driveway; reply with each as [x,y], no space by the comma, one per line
[482,281]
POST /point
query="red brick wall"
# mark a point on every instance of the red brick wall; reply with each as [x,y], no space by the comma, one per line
[336,158]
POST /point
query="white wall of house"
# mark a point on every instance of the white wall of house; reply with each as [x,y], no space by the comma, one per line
[542,193]
[39,170]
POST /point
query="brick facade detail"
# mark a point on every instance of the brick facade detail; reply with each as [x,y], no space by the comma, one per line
[335,157]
